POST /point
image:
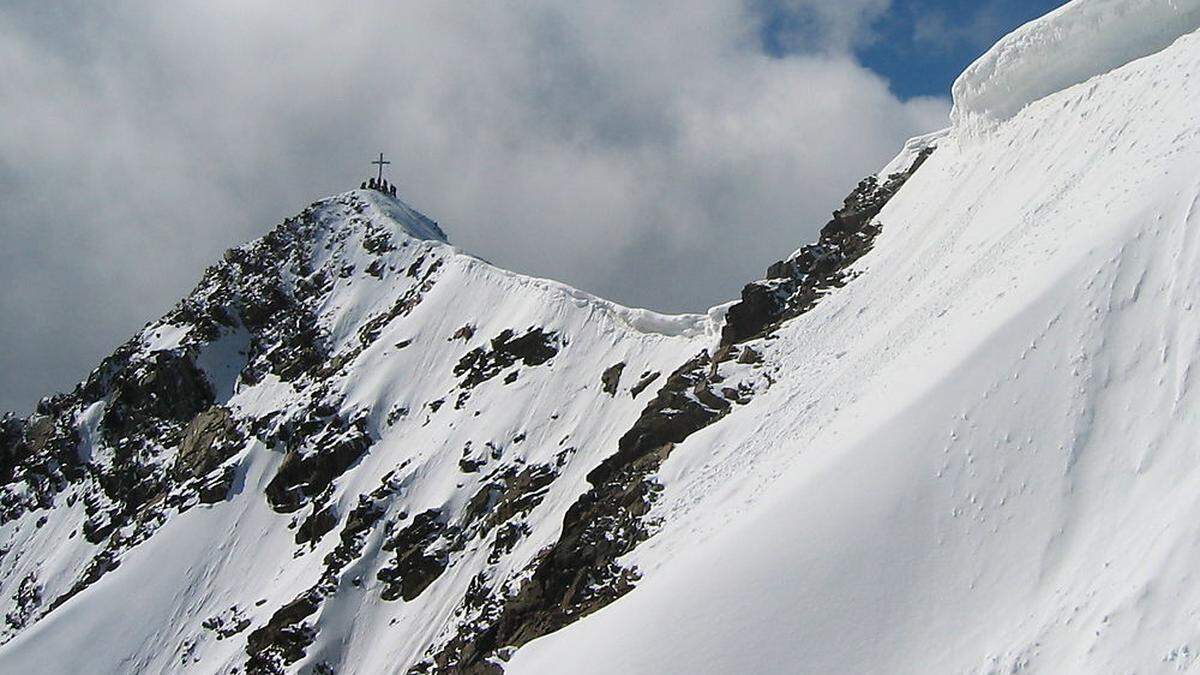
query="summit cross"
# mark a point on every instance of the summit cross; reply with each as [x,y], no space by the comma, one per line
[381,162]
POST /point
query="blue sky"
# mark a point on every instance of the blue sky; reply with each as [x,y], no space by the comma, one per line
[922,45]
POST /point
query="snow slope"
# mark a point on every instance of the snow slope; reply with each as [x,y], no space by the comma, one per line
[981,455]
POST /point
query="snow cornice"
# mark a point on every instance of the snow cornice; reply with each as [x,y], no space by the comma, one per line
[1074,43]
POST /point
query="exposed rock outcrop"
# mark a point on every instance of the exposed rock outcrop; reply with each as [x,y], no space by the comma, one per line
[208,440]
[793,286]
[610,380]
[421,555]
[533,348]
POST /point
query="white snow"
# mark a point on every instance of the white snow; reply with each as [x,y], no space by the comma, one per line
[1078,41]
[413,222]
[165,337]
[222,361]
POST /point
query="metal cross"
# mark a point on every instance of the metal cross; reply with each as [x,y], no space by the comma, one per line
[381,161]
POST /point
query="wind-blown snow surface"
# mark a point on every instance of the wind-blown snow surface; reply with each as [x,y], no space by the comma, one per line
[981,455]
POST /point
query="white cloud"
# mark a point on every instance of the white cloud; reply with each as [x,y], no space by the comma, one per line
[651,153]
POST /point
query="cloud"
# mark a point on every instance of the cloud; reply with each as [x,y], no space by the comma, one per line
[656,154]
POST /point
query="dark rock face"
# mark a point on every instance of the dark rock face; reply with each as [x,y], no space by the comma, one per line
[12,437]
[208,440]
[211,438]
[215,488]
[643,382]
[167,387]
[611,379]
[794,286]
[320,447]
[471,464]
[481,364]
[38,458]
[749,357]
[511,494]
[227,624]
[317,525]
[285,637]
[422,554]
[464,333]
[378,241]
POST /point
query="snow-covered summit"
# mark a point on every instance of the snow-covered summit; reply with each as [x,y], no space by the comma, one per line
[1078,41]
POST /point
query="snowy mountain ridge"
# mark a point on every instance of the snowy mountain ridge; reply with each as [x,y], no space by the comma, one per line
[349,425]
[336,340]
[952,435]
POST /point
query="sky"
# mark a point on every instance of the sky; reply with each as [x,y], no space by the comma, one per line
[658,155]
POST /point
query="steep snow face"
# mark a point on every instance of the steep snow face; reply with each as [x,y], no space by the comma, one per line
[980,455]
[1070,45]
